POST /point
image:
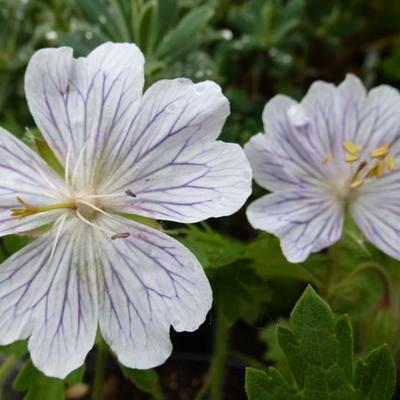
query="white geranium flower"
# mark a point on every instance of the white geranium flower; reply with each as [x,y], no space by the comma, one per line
[334,151]
[154,155]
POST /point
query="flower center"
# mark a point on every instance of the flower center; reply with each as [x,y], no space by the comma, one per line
[374,166]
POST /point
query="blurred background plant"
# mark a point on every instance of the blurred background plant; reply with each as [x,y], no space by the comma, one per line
[253,49]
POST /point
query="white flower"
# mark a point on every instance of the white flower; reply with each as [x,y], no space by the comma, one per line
[335,151]
[154,155]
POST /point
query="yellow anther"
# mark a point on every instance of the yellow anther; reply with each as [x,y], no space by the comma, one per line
[351,148]
[351,158]
[327,159]
[380,170]
[390,162]
[372,172]
[377,171]
[380,151]
[356,184]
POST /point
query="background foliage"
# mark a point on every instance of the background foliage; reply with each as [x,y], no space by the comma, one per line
[253,49]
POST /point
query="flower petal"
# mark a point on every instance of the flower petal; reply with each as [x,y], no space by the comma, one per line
[190,184]
[268,168]
[52,298]
[369,120]
[73,100]
[173,115]
[23,173]
[149,281]
[10,225]
[305,221]
[286,122]
[378,216]
[322,105]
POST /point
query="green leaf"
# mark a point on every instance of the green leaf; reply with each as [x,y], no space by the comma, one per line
[319,350]
[41,387]
[274,354]
[267,248]
[148,26]
[211,248]
[271,386]
[145,380]
[239,291]
[376,375]
[37,385]
[18,348]
[75,376]
[167,14]
[180,40]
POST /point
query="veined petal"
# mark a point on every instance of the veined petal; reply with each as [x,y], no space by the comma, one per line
[305,221]
[23,173]
[190,184]
[268,168]
[74,100]
[288,126]
[173,114]
[148,282]
[48,293]
[378,216]
[369,120]
[322,105]
[13,225]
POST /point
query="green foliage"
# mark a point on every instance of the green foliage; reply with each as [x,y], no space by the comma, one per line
[319,350]
[40,387]
[163,29]
[212,249]
[254,49]
[145,380]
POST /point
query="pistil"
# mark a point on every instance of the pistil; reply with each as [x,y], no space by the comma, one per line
[27,209]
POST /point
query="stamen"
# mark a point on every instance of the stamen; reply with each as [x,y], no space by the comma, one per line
[130,193]
[351,158]
[377,171]
[380,171]
[327,159]
[62,221]
[123,235]
[356,183]
[80,157]
[381,151]
[390,162]
[351,148]
[86,221]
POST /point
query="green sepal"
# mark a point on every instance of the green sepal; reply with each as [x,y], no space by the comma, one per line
[48,155]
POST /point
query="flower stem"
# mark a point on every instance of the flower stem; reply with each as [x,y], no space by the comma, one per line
[220,354]
[100,370]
